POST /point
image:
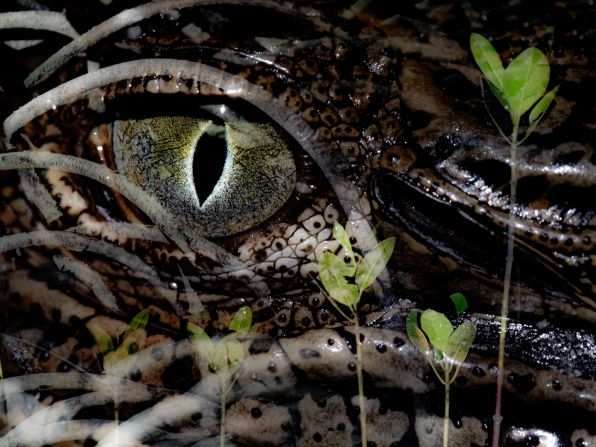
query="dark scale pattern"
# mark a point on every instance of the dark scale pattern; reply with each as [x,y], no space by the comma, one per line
[181,374]
[388,96]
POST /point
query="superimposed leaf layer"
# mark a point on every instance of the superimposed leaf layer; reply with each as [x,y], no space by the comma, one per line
[374,262]
[460,303]
[525,81]
[460,341]
[487,59]
[437,328]
[242,320]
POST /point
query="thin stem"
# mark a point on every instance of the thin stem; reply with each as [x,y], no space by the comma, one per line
[4,399]
[222,403]
[497,418]
[431,362]
[446,416]
[360,384]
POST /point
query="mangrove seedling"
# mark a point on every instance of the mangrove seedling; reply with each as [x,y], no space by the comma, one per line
[3,442]
[519,87]
[120,359]
[224,356]
[444,348]
[344,281]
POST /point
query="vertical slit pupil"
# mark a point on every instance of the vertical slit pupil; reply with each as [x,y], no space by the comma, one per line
[208,163]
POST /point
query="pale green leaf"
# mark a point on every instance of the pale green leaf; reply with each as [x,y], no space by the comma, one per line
[460,302]
[340,234]
[460,341]
[204,345]
[102,338]
[242,320]
[525,81]
[196,332]
[539,110]
[133,342]
[234,351]
[338,289]
[216,354]
[488,60]
[437,328]
[120,362]
[207,348]
[422,340]
[415,335]
[139,321]
[336,265]
[542,106]
[373,263]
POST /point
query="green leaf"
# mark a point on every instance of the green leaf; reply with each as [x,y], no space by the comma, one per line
[460,302]
[242,320]
[539,110]
[196,332]
[139,321]
[216,354]
[373,263]
[437,328]
[415,335]
[525,81]
[460,341]
[102,338]
[206,347]
[340,234]
[234,351]
[120,362]
[336,265]
[338,288]
[488,60]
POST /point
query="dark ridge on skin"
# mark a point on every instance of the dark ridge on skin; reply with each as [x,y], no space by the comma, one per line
[522,383]
[55,335]
[432,224]
[419,120]
[182,374]
[569,158]
[260,345]
[550,347]
[475,243]
[531,188]
[455,85]
[568,197]
[494,173]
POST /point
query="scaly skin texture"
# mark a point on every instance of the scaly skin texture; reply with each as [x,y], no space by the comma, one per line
[379,105]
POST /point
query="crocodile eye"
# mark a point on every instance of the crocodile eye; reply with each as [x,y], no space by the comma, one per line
[219,177]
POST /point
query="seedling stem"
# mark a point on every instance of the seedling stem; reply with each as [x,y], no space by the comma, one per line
[519,88]
[334,272]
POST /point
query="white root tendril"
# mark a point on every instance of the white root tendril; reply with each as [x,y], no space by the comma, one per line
[89,277]
[122,20]
[38,20]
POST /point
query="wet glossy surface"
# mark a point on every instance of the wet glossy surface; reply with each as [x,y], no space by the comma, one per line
[379,107]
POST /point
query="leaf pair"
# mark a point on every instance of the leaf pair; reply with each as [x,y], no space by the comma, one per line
[344,282]
[520,85]
[223,354]
[436,339]
[119,361]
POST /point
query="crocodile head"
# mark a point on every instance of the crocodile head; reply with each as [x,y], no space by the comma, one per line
[190,158]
